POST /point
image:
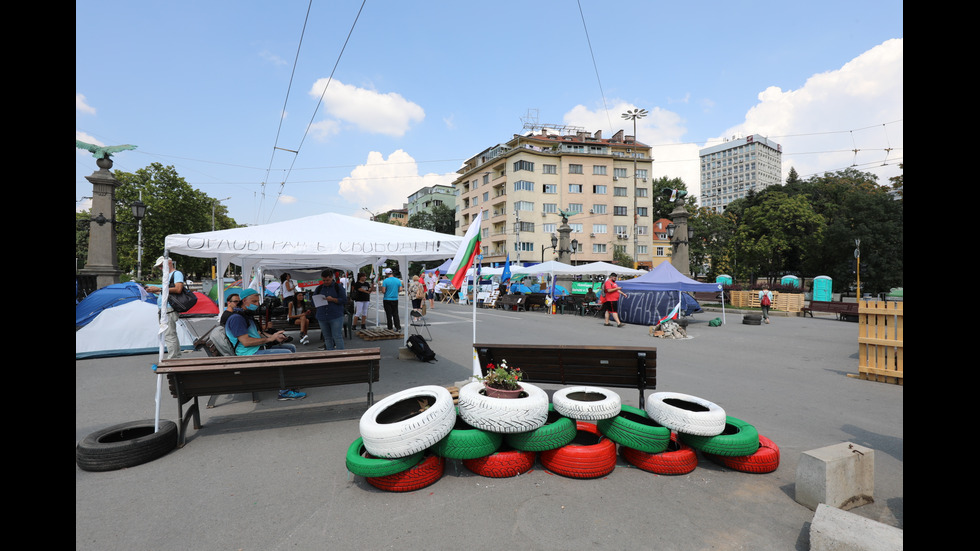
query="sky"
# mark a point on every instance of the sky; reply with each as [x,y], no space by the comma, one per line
[294,108]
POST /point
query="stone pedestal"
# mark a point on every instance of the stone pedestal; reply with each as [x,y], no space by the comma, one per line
[102,260]
[842,476]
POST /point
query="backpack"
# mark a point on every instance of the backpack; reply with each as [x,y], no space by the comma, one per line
[417,344]
[765,300]
[215,342]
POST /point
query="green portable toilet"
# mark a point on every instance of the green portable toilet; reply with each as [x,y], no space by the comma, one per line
[823,288]
[790,280]
[724,279]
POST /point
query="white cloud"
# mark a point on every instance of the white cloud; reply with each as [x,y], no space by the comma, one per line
[287,199]
[820,124]
[82,106]
[381,185]
[273,58]
[370,111]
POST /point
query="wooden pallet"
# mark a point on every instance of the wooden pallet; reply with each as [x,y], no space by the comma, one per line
[454,392]
[377,334]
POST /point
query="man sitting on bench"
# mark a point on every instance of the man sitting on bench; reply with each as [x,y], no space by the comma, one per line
[248,340]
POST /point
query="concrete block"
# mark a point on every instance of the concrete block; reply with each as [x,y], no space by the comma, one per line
[841,475]
[836,530]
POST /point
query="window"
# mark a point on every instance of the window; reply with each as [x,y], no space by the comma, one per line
[524,246]
[575,207]
[523,185]
[620,211]
[574,188]
[619,230]
[486,179]
[526,226]
[475,201]
[523,205]
[550,169]
[641,173]
[598,228]
[641,249]
[619,172]
[641,211]
[599,170]
[599,209]
[550,188]
[598,247]
[576,228]
[620,191]
[642,230]
[549,228]
[660,251]
[601,190]
[486,197]
[523,165]
[641,192]
[550,207]
[575,169]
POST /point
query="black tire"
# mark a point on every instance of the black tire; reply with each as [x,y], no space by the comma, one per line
[557,431]
[125,445]
[633,428]
[751,322]
[753,317]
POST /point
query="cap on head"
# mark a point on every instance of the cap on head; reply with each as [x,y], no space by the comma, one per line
[247,293]
[387,270]
[160,261]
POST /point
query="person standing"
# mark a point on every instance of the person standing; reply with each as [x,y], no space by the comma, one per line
[288,287]
[610,299]
[361,294]
[391,286]
[415,292]
[765,301]
[430,281]
[330,315]
[176,286]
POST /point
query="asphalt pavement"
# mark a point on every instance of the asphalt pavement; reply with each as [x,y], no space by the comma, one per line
[271,475]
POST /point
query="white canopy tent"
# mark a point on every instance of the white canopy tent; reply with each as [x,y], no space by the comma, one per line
[328,239]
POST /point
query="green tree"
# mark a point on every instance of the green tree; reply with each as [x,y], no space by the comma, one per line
[774,233]
[439,218]
[173,206]
[662,206]
[712,233]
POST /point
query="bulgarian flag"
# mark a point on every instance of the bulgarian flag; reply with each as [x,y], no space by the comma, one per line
[464,256]
[674,314]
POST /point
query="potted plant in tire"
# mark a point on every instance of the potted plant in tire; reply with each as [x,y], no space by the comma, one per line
[503,381]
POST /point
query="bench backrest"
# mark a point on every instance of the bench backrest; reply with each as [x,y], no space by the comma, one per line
[205,376]
[629,367]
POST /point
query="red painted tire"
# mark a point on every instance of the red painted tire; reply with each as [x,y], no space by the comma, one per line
[427,472]
[678,459]
[764,460]
[502,464]
[589,455]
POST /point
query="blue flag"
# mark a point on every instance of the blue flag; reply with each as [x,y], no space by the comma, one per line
[506,273]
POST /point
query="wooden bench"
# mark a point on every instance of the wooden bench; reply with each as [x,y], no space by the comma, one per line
[536,300]
[510,302]
[712,297]
[604,366]
[844,310]
[191,378]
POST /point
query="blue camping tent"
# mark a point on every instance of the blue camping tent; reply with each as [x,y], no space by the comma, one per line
[107,297]
[654,295]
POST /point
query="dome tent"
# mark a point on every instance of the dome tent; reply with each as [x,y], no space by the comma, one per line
[658,293]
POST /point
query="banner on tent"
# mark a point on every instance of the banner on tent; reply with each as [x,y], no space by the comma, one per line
[647,307]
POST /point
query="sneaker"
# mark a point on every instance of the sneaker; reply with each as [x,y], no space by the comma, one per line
[305,339]
[291,395]
[620,325]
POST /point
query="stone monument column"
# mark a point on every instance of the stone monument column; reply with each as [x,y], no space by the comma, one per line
[103,260]
[564,244]
[681,257]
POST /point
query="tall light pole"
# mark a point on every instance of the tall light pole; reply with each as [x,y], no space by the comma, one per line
[634,114]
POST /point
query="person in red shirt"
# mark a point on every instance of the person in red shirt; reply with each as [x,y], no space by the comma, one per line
[610,299]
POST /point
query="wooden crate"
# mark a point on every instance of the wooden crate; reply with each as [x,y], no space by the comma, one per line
[880,333]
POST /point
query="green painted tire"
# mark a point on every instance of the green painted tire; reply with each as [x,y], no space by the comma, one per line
[370,467]
[557,431]
[465,441]
[737,439]
[634,429]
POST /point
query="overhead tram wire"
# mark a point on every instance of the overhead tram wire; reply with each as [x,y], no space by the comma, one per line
[319,101]
[282,113]
[596,67]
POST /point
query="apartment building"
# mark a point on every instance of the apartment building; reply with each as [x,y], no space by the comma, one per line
[424,199]
[731,169]
[520,186]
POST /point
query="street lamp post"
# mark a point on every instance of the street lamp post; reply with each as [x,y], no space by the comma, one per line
[634,114]
[139,212]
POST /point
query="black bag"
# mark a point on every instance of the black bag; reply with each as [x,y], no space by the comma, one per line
[417,344]
[182,302]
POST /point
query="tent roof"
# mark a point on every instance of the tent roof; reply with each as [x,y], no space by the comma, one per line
[665,277]
[329,238]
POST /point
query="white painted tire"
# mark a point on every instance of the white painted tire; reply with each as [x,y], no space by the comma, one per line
[587,403]
[395,426]
[503,415]
[686,414]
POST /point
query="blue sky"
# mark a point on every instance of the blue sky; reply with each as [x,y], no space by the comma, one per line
[422,86]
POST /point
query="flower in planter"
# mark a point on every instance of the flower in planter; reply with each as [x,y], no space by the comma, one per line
[503,376]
